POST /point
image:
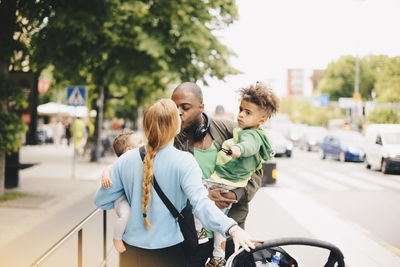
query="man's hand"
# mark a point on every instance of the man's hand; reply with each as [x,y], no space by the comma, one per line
[222,197]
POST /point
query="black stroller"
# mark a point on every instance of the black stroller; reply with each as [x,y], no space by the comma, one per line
[263,253]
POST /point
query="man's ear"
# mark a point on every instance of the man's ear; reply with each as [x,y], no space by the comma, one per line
[201,107]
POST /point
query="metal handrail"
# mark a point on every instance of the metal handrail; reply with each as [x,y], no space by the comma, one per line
[77,229]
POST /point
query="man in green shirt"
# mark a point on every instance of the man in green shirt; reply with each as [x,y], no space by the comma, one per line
[203,137]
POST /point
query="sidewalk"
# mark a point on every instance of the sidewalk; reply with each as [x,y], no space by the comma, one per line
[51,190]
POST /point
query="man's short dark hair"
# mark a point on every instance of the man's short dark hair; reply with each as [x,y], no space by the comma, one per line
[190,87]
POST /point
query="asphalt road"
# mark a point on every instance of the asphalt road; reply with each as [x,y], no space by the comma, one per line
[340,202]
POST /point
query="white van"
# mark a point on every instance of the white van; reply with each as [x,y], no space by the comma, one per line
[382,151]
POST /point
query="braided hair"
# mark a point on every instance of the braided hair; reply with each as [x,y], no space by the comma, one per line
[160,124]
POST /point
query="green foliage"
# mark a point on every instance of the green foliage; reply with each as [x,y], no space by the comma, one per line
[139,45]
[11,130]
[378,73]
[382,115]
[339,76]
[11,126]
[388,81]
[12,95]
[302,110]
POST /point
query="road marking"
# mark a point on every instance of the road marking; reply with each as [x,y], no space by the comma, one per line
[320,181]
[377,180]
[289,180]
[348,180]
[391,248]
[358,248]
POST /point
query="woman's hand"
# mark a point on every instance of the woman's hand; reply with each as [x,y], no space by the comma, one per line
[106,177]
[242,239]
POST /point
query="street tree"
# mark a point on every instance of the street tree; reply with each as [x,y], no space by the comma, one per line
[339,77]
[387,85]
[141,45]
[14,42]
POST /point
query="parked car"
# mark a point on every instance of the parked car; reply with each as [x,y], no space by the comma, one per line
[282,146]
[296,132]
[343,146]
[383,147]
[312,138]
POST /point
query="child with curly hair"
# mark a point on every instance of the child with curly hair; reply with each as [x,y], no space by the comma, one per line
[242,155]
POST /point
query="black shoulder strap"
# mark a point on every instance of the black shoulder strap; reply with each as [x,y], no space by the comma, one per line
[164,198]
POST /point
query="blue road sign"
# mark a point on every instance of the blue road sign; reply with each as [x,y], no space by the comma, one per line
[321,100]
[76,96]
[324,100]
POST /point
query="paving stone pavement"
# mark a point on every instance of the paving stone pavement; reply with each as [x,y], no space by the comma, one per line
[51,190]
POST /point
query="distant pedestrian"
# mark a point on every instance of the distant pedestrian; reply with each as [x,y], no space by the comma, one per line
[219,112]
[58,132]
[68,132]
[156,239]
[78,132]
[122,143]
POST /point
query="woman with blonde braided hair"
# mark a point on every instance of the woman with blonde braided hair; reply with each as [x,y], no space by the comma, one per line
[153,131]
[152,236]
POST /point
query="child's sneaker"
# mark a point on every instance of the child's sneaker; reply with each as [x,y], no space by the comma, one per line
[216,262]
[202,236]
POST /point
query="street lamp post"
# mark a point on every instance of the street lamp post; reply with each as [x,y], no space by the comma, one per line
[357,95]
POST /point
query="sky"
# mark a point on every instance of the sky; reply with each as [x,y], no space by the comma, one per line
[272,36]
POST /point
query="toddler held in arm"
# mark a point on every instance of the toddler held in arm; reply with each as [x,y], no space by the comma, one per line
[242,155]
[122,143]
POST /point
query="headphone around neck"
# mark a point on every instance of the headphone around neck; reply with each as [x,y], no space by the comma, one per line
[202,129]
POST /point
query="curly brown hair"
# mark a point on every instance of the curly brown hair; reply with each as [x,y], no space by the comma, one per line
[262,96]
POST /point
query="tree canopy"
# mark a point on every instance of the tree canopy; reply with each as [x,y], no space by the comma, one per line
[387,85]
[141,45]
[339,77]
[379,76]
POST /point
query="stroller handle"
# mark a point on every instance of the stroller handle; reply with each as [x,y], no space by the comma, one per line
[335,251]
[335,254]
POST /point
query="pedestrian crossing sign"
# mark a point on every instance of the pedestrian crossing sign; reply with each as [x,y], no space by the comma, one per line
[76,96]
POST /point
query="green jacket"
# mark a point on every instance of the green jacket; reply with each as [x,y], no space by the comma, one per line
[254,146]
[221,130]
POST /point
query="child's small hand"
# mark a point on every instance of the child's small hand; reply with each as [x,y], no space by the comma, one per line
[235,151]
[106,183]
[106,177]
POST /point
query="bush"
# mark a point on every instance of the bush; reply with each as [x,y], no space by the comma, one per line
[302,110]
[11,129]
[382,115]
[11,126]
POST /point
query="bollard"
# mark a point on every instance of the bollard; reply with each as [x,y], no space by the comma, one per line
[12,170]
[269,173]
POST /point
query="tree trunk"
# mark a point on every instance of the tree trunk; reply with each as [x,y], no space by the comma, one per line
[2,172]
[95,153]
[3,75]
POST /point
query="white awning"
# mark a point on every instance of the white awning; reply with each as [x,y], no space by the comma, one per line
[57,109]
